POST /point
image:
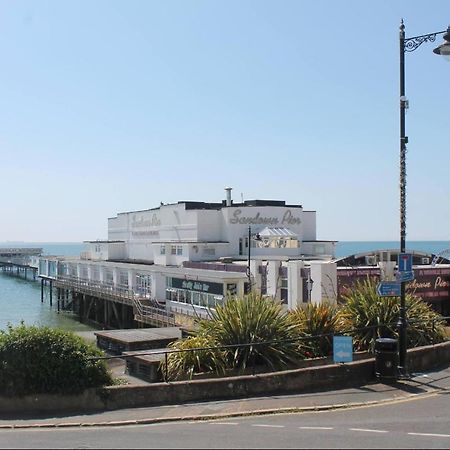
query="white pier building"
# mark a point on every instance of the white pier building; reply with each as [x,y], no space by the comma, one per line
[188,256]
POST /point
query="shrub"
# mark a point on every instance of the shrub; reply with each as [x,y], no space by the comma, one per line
[183,364]
[314,320]
[252,319]
[367,316]
[37,360]
[425,326]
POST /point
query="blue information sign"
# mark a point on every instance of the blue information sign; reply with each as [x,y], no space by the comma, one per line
[389,289]
[342,349]
[405,262]
[405,276]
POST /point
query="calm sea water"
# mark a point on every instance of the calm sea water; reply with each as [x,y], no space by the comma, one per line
[20,299]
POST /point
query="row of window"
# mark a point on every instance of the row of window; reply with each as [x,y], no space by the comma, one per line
[174,250]
[178,250]
[194,298]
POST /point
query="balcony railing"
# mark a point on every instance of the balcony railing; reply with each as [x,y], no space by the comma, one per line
[144,312]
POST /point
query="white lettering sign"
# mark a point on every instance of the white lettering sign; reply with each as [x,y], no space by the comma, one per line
[287,219]
[141,222]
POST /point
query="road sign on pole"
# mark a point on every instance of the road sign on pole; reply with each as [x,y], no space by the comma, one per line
[342,349]
[389,289]
[404,276]
[405,262]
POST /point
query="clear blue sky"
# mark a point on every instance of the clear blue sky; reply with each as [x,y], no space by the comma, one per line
[109,106]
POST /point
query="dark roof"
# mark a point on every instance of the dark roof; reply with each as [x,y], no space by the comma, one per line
[193,205]
[203,205]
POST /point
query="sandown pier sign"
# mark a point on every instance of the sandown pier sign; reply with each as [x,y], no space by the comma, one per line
[141,221]
[287,219]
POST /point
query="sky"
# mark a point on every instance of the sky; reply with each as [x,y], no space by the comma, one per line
[109,106]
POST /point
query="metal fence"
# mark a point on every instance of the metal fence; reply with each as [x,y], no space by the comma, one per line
[298,340]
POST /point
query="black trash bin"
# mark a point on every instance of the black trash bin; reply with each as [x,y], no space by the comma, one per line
[386,357]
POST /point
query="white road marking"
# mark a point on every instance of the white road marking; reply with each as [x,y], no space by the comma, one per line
[268,426]
[430,434]
[223,423]
[368,430]
[316,428]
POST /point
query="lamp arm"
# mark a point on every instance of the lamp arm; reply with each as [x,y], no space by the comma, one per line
[413,43]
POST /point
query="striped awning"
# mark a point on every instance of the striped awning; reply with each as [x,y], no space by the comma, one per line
[277,232]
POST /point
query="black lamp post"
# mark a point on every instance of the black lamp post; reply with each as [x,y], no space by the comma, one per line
[249,275]
[255,237]
[409,45]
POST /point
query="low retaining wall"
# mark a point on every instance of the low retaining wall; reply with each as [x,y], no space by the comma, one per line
[333,376]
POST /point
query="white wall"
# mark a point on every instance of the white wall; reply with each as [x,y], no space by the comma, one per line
[295,283]
[309,226]
[173,223]
[324,276]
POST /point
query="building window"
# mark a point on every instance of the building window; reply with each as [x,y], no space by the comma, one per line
[162,250]
[319,249]
[84,272]
[73,271]
[179,249]
[231,289]
[123,279]
[108,277]
[209,251]
[95,273]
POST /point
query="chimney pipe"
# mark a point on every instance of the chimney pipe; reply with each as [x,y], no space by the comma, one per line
[228,191]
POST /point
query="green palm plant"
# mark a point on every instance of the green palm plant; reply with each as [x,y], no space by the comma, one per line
[195,354]
[367,316]
[252,320]
[316,320]
[425,326]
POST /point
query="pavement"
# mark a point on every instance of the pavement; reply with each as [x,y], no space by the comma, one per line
[417,385]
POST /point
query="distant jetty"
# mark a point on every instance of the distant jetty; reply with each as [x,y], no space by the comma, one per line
[20,261]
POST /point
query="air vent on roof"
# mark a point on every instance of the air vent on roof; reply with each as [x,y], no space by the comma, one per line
[371,260]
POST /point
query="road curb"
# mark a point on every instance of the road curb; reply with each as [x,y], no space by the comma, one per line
[217,416]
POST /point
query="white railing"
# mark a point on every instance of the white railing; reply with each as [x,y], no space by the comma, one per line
[145,313]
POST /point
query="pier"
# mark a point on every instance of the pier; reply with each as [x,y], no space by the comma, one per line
[104,305]
[20,261]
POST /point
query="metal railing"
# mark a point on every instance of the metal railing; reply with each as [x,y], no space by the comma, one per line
[168,351]
[143,313]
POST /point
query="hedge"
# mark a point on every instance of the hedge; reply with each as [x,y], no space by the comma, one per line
[37,360]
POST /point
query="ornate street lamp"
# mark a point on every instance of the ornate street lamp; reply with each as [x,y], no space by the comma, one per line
[409,45]
[251,237]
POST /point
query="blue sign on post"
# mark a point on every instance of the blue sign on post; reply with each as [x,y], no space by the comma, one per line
[405,262]
[342,349]
[405,271]
[389,289]
[405,276]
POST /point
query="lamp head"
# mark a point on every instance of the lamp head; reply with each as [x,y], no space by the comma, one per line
[444,48]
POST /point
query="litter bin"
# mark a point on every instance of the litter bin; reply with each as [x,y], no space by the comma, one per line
[386,358]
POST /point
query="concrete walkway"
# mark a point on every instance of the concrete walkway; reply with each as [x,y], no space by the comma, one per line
[371,394]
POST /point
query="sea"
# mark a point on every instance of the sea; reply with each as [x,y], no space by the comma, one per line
[20,300]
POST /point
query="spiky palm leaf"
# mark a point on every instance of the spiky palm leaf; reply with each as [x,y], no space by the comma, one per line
[253,320]
[317,321]
[367,316]
[193,358]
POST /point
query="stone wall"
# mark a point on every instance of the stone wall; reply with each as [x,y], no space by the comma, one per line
[325,377]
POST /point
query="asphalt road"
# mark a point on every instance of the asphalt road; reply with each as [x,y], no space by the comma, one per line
[423,422]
